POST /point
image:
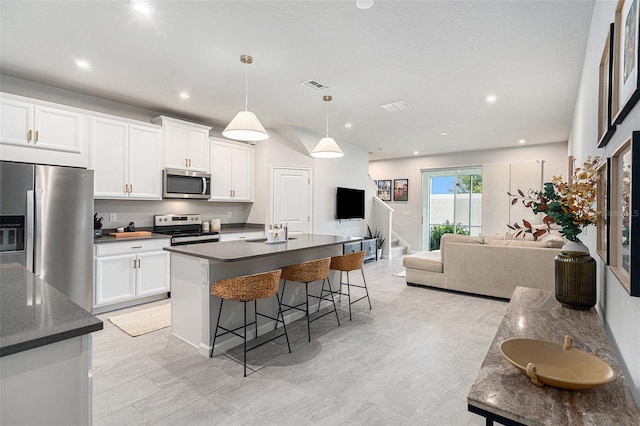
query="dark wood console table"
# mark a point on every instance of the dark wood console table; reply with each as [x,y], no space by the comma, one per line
[503,394]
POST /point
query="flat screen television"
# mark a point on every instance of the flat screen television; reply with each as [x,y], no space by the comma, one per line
[349,203]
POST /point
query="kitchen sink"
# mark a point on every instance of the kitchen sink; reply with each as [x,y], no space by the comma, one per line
[263,240]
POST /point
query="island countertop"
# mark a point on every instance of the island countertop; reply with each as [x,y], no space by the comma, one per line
[233,251]
[33,313]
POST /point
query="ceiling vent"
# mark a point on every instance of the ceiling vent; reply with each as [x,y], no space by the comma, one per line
[314,84]
[396,106]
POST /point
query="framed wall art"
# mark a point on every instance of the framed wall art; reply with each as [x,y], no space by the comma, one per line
[624,215]
[606,128]
[384,190]
[626,55]
[401,190]
[602,206]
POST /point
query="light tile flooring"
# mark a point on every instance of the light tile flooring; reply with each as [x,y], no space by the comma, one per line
[409,361]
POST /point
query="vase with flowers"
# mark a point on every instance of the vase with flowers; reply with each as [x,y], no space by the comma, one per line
[569,205]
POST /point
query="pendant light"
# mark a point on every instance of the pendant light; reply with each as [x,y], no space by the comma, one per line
[245,126]
[327,147]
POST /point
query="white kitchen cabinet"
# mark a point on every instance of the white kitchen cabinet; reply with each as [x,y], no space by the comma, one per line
[235,236]
[231,171]
[126,158]
[126,271]
[186,144]
[42,132]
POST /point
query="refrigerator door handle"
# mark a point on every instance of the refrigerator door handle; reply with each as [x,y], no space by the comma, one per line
[28,246]
[37,270]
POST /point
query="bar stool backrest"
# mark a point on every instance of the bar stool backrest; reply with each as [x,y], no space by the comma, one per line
[348,262]
[248,287]
[306,272]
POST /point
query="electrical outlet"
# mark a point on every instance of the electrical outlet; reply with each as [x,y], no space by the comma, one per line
[113,217]
[228,215]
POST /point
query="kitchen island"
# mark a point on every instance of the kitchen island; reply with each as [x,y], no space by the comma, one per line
[45,352]
[194,268]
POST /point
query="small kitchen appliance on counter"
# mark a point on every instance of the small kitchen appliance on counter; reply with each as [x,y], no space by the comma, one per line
[184,229]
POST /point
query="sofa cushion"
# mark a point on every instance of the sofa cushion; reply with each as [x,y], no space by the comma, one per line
[424,260]
[454,238]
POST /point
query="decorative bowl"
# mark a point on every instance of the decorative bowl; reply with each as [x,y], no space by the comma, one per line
[556,364]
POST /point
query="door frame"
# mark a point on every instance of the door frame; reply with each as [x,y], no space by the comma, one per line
[272,186]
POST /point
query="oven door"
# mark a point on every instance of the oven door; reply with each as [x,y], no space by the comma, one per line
[186,184]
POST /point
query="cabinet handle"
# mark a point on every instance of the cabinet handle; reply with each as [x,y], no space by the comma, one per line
[37,135]
[186,162]
[136,247]
[130,188]
[138,263]
[134,264]
[29,135]
[189,162]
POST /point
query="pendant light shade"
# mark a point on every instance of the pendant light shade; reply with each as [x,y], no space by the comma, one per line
[245,126]
[327,147]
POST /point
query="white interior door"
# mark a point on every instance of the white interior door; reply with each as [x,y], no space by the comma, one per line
[292,199]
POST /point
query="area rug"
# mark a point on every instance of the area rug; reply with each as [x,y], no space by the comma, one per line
[143,321]
[401,274]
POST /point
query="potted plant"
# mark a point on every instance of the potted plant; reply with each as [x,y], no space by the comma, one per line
[570,206]
[379,240]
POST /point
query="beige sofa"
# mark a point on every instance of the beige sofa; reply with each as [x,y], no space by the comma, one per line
[491,265]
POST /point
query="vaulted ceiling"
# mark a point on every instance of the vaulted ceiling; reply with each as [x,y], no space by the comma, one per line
[443,58]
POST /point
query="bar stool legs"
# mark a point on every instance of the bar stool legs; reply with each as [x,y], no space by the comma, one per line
[346,263]
[246,289]
[307,272]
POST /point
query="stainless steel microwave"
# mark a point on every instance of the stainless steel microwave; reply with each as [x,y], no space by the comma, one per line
[186,184]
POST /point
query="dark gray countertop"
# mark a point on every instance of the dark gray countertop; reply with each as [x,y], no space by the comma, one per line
[231,251]
[107,239]
[33,313]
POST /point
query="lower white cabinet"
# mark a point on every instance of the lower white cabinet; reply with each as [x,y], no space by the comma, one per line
[235,236]
[125,271]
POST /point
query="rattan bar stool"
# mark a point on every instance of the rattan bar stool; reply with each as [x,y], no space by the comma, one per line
[307,272]
[245,289]
[346,263]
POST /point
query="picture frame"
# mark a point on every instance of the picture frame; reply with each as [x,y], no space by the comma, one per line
[606,127]
[624,216]
[384,189]
[603,176]
[626,59]
[401,190]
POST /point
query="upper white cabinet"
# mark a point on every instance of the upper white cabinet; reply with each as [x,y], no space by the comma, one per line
[126,158]
[41,132]
[231,171]
[186,144]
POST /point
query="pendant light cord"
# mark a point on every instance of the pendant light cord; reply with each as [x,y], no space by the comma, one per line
[327,119]
[246,86]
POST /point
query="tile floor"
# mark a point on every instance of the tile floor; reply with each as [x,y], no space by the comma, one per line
[409,361]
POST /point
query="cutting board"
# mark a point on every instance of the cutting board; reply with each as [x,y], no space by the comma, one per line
[130,234]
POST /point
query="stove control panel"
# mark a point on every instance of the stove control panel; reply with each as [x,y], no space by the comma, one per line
[177,219]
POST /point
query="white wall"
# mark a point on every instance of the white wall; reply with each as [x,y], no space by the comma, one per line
[407,218]
[620,311]
[291,148]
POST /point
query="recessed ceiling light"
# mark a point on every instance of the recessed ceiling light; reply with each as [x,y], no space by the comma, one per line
[444,133]
[184,95]
[491,99]
[364,4]
[521,141]
[348,125]
[81,63]
[142,7]
[415,152]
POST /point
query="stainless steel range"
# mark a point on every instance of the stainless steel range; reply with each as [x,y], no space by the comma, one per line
[184,229]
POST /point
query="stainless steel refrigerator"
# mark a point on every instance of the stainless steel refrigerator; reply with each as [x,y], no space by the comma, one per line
[46,225]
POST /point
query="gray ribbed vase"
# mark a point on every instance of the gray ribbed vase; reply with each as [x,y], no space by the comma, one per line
[575,276]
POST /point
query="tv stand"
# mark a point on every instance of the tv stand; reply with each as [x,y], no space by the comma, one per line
[369,245]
